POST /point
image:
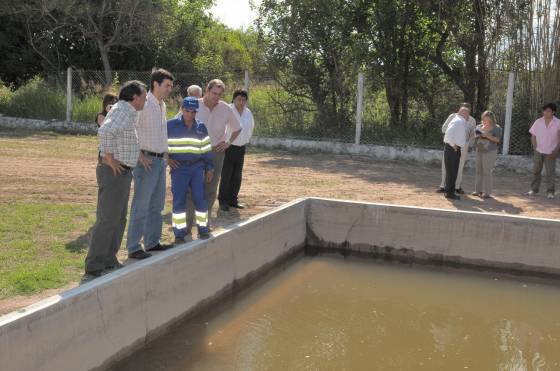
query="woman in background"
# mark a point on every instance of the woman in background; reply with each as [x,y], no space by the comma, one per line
[108,100]
[488,135]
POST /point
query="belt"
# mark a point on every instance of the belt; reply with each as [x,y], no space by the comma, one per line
[447,144]
[153,154]
[126,167]
[185,162]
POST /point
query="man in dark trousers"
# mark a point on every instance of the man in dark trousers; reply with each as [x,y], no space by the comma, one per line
[455,138]
[118,155]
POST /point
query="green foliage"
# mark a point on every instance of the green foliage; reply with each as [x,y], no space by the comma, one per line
[35,99]
[85,109]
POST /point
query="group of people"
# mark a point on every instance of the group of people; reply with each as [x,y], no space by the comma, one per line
[204,147]
[461,133]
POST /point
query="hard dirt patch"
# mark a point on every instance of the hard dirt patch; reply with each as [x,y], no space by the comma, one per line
[38,168]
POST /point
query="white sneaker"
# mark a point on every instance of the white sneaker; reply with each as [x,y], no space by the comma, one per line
[531,193]
[550,195]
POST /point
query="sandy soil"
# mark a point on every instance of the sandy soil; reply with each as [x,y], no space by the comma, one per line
[271,178]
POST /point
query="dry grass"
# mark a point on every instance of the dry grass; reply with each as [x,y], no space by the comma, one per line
[48,196]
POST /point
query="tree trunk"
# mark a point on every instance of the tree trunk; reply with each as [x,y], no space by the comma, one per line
[482,70]
[103,52]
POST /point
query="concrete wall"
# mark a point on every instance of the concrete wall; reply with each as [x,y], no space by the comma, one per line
[520,164]
[509,243]
[86,327]
[58,126]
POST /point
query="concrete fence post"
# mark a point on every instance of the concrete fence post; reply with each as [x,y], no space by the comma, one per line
[246,81]
[69,95]
[509,110]
[359,107]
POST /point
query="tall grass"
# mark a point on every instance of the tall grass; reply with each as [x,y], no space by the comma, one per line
[35,99]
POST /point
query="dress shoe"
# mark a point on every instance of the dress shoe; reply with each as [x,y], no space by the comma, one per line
[114,266]
[97,273]
[237,205]
[460,191]
[440,190]
[452,197]
[140,254]
[224,207]
[160,247]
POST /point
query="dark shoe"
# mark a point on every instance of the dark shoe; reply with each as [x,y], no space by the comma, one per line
[140,254]
[237,205]
[452,197]
[440,190]
[224,207]
[179,240]
[203,235]
[460,191]
[113,267]
[160,247]
[95,274]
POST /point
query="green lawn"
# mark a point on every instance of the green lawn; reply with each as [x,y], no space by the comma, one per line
[40,248]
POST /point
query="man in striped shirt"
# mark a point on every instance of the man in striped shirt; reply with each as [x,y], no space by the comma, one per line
[191,162]
[118,154]
[149,175]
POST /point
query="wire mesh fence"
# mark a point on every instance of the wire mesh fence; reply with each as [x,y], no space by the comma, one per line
[284,112]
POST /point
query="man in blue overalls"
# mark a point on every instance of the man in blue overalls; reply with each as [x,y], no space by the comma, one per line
[190,159]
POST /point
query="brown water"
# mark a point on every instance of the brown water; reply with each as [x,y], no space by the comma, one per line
[326,313]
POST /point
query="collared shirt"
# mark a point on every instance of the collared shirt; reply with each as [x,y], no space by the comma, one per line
[547,136]
[456,134]
[189,145]
[247,126]
[470,126]
[217,120]
[118,136]
[152,125]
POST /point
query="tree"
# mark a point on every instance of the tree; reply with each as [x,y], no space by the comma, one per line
[310,50]
[110,26]
[458,28]
[392,33]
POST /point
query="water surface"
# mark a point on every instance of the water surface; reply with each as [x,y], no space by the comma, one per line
[330,313]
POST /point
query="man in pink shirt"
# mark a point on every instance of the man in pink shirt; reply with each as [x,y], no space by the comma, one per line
[545,136]
[217,116]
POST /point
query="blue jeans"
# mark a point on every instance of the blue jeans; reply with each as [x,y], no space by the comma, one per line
[148,202]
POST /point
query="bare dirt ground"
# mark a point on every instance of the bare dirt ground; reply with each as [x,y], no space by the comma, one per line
[61,169]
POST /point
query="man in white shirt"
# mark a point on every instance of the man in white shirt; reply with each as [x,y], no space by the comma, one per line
[232,172]
[471,125]
[149,175]
[454,140]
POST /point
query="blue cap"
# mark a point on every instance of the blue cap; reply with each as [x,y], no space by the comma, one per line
[190,104]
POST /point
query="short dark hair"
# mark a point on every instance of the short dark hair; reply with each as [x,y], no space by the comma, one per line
[159,75]
[240,92]
[466,105]
[130,89]
[551,105]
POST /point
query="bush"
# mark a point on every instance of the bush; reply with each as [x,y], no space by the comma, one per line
[35,99]
[86,108]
